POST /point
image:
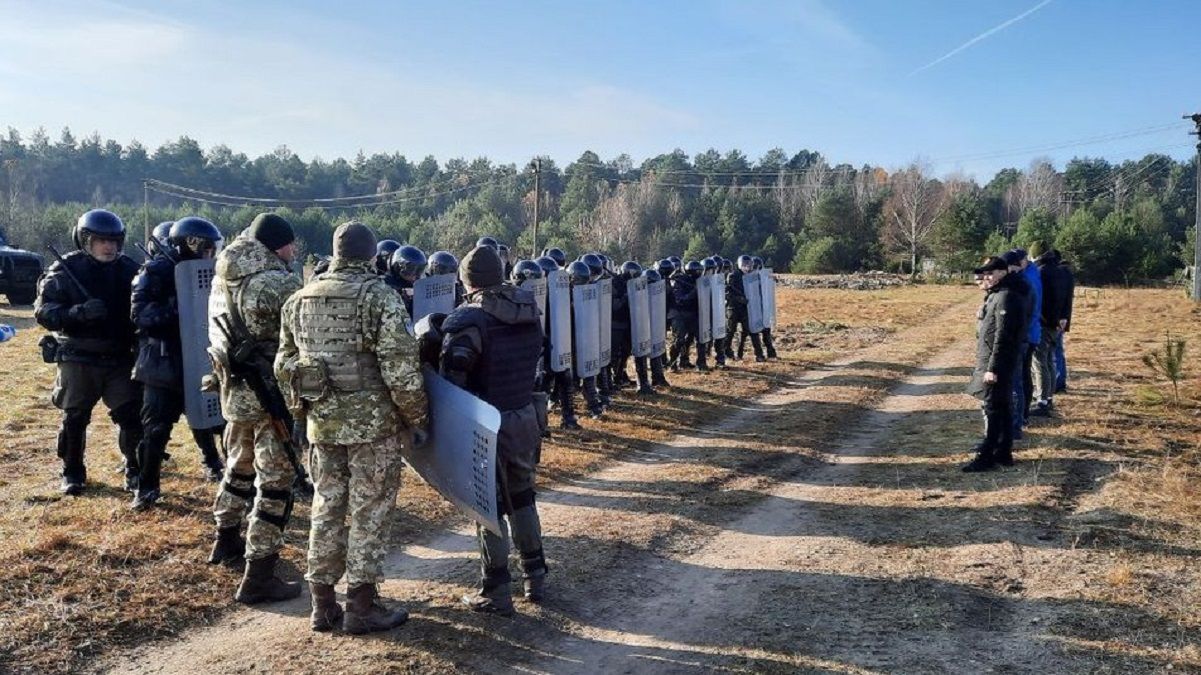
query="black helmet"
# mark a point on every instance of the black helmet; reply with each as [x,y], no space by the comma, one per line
[383,254]
[407,262]
[98,223]
[527,269]
[758,262]
[192,236]
[162,232]
[489,242]
[652,275]
[666,268]
[710,264]
[557,255]
[606,262]
[428,332]
[746,263]
[676,260]
[631,269]
[579,273]
[594,263]
[442,262]
[547,264]
[503,251]
[694,269]
[727,265]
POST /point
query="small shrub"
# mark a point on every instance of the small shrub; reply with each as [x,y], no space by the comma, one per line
[1169,364]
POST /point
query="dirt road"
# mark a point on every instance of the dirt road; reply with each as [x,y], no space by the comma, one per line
[823,527]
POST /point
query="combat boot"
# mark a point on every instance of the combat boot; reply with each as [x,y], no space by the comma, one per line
[260,583]
[658,379]
[228,547]
[1004,457]
[983,461]
[71,487]
[327,613]
[494,596]
[533,576]
[366,614]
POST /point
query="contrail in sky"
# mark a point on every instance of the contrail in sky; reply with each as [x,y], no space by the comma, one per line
[995,29]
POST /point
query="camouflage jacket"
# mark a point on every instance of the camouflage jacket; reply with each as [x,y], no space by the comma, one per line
[249,274]
[390,394]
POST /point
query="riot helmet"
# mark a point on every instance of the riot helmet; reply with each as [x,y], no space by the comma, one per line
[442,262]
[694,269]
[666,268]
[579,273]
[101,225]
[676,260]
[195,237]
[557,255]
[652,275]
[727,266]
[407,262]
[526,270]
[490,242]
[711,266]
[595,264]
[547,264]
[631,269]
[383,254]
[162,233]
[758,262]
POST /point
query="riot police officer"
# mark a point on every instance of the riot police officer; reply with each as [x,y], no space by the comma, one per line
[687,319]
[84,301]
[657,363]
[558,386]
[580,274]
[155,312]
[491,348]
[712,268]
[162,233]
[490,242]
[768,345]
[404,268]
[444,262]
[557,255]
[621,330]
[383,254]
[604,381]
[737,313]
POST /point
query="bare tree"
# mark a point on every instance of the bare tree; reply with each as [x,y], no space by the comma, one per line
[915,203]
[1040,187]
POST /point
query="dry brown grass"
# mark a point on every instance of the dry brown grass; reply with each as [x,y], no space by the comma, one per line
[80,576]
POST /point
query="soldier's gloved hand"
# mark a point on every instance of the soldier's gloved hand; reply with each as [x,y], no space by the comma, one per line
[89,310]
[420,437]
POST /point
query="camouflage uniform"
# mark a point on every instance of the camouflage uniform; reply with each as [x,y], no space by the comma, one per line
[347,363]
[258,282]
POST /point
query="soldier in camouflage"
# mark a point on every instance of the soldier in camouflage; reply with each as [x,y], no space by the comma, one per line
[346,362]
[253,280]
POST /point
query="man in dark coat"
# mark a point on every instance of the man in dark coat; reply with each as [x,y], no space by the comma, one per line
[1058,288]
[491,346]
[998,347]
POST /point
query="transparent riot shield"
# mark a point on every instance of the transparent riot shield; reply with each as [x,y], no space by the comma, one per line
[717,296]
[657,299]
[605,301]
[585,306]
[704,305]
[752,286]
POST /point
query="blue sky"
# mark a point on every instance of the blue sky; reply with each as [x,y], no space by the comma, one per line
[859,80]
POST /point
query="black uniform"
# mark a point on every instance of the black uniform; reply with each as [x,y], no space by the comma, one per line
[686,323]
[999,339]
[93,348]
[155,313]
[491,347]
[737,315]
[621,333]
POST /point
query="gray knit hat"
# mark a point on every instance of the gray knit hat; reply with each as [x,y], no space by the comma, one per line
[354,241]
[482,268]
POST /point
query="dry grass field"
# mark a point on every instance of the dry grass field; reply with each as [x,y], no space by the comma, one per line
[805,514]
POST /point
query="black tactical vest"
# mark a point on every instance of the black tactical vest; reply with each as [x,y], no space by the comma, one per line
[504,374]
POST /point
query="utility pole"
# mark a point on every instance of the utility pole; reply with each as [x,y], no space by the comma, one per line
[536,166]
[1196,118]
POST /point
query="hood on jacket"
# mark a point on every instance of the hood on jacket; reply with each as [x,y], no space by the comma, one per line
[509,304]
[246,256]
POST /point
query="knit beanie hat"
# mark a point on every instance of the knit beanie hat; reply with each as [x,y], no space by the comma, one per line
[354,241]
[272,230]
[482,268]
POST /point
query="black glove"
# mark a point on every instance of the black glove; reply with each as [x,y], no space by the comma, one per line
[89,311]
[420,437]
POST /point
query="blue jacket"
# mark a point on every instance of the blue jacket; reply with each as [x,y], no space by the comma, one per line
[1035,333]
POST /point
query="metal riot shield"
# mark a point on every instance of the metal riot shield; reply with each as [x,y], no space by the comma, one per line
[585,306]
[605,287]
[459,459]
[752,285]
[538,288]
[718,304]
[193,286]
[433,295]
[767,287]
[704,305]
[656,294]
[638,298]
[558,301]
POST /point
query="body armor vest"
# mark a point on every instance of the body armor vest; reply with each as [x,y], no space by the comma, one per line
[331,335]
[505,374]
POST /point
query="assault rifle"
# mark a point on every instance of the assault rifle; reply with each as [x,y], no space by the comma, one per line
[247,363]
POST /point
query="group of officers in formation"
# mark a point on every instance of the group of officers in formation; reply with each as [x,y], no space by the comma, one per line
[338,361]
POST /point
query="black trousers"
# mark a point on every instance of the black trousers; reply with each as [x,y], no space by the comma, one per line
[998,418]
[161,408]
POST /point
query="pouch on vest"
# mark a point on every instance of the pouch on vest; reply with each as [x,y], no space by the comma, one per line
[49,347]
[310,380]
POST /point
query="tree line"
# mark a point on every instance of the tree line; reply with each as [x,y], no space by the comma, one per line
[1117,222]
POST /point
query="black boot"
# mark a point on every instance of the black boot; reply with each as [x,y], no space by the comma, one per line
[644,386]
[214,469]
[260,583]
[228,547]
[72,438]
[533,576]
[658,377]
[494,596]
[983,461]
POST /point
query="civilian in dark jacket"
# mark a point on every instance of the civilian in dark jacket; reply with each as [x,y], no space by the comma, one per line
[1061,364]
[998,346]
[1056,314]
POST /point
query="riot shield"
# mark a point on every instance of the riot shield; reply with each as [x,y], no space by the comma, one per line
[585,306]
[558,301]
[459,459]
[752,286]
[433,295]
[193,286]
[640,316]
[538,288]
[767,287]
[718,303]
[605,302]
[704,305]
[657,299]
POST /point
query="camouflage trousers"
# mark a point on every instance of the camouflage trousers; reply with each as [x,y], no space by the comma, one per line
[359,481]
[259,473]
